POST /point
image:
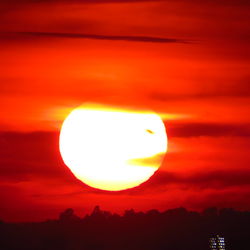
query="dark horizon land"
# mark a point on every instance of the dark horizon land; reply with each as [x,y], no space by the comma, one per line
[173,76]
[173,229]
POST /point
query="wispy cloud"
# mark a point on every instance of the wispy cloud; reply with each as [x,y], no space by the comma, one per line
[145,39]
[73,1]
[220,179]
[208,129]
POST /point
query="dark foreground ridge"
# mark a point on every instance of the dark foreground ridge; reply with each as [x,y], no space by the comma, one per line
[175,229]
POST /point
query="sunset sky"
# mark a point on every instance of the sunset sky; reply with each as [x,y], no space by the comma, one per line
[186,60]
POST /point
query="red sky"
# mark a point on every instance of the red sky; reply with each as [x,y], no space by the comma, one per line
[186,59]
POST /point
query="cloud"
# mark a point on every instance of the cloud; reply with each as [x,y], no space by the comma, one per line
[25,156]
[163,181]
[236,87]
[31,156]
[222,2]
[72,1]
[148,161]
[207,129]
[146,39]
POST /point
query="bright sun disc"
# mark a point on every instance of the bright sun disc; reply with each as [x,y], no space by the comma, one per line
[112,149]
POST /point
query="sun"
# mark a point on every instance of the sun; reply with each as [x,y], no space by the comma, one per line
[112,148]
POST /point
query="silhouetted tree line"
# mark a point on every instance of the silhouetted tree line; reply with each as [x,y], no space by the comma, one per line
[174,229]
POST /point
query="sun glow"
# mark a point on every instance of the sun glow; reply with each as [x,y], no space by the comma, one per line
[112,149]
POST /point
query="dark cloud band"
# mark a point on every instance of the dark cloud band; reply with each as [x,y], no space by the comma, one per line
[207,129]
[145,39]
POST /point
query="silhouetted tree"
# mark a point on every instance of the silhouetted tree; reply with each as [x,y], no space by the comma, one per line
[68,216]
[211,212]
[174,229]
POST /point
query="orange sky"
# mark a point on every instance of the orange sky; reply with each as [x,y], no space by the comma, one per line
[188,60]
